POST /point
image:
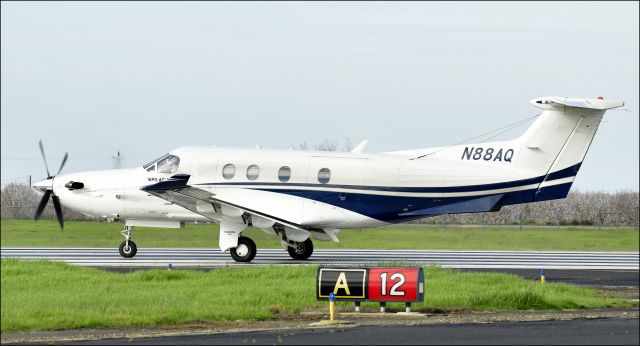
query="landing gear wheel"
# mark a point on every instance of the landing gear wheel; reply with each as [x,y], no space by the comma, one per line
[128,251]
[245,251]
[301,251]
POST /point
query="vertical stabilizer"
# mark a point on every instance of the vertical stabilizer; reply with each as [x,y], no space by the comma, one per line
[556,144]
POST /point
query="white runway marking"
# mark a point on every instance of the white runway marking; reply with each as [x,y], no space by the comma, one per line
[209,258]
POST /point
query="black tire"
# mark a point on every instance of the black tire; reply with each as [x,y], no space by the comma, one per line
[250,250]
[301,251]
[130,251]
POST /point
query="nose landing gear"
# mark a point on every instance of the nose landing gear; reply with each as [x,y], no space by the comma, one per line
[127,248]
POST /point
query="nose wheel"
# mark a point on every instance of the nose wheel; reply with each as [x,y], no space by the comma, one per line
[127,248]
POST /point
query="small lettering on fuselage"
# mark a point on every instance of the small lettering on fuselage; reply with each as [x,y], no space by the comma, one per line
[156,179]
[487,154]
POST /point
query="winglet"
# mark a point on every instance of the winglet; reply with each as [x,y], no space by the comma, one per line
[360,147]
[175,182]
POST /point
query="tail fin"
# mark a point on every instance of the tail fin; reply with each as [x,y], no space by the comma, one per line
[556,144]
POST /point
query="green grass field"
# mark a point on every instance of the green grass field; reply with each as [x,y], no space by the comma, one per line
[40,295]
[101,234]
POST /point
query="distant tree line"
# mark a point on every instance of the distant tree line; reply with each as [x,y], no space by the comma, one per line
[326,145]
[578,209]
[19,201]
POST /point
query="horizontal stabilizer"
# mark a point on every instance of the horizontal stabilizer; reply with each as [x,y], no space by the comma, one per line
[175,182]
[597,104]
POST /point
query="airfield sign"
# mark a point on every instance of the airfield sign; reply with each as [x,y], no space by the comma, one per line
[371,284]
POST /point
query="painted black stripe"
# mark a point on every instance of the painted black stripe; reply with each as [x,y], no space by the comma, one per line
[564,173]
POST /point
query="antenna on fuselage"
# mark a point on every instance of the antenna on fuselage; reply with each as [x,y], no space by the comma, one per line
[502,130]
[360,147]
[117,160]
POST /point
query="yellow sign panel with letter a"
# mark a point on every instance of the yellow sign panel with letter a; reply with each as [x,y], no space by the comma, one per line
[344,283]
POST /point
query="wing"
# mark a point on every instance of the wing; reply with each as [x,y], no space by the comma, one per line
[215,206]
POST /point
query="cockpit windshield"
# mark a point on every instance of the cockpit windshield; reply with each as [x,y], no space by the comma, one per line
[166,163]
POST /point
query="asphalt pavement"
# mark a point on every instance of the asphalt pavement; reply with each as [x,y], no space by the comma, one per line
[572,332]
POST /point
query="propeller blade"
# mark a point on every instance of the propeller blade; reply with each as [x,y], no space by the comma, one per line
[44,158]
[58,208]
[43,203]
[64,160]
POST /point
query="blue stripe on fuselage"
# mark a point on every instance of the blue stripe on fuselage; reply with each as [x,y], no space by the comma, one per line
[563,173]
[389,208]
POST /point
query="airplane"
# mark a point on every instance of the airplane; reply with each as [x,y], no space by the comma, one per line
[300,195]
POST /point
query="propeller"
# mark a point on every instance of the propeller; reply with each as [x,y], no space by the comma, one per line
[49,191]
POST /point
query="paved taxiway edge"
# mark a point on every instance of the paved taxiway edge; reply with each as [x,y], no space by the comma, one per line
[209,258]
[306,321]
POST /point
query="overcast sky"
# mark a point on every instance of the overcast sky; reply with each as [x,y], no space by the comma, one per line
[144,78]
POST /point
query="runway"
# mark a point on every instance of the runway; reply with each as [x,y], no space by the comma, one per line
[210,258]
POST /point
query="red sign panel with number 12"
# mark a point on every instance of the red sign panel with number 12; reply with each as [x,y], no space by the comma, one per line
[389,284]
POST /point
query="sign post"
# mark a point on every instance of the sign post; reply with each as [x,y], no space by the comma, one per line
[332,306]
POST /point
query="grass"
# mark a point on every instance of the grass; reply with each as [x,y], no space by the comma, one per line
[41,295]
[46,233]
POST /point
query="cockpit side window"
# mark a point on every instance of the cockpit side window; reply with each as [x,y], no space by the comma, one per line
[153,162]
[168,165]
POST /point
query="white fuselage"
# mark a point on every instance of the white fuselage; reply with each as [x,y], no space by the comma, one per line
[363,189]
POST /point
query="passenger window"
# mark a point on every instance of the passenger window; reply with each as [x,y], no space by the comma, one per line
[228,171]
[252,172]
[284,174]
[324,175]
[168,165]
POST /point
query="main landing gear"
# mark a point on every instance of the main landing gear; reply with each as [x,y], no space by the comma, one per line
[245,251]
[300,250]
[127,248]
[297,250]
